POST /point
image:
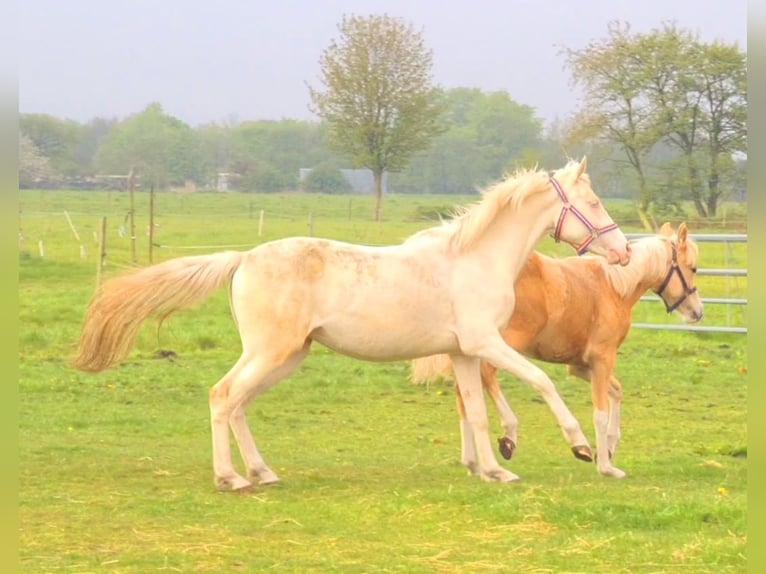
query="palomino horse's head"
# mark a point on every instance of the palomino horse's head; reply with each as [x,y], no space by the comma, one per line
[678,289]
[583,222]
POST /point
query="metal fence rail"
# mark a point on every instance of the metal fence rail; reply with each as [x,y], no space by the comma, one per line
[704,238]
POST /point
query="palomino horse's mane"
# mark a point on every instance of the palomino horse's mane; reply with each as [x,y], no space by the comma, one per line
[650,256]
[470,222]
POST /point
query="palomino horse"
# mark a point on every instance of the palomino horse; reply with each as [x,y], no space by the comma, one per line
[577,311]
[443,290]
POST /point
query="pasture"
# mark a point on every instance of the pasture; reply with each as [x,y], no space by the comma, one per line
[115,472]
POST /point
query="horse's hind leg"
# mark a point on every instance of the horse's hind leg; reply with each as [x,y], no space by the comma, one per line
[469,384]
[229,398]
[254,463]
[467,443]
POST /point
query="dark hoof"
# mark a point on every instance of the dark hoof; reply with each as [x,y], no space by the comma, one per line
[582,452]
[506,447]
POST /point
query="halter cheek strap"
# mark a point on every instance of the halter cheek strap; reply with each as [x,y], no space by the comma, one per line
[675,270]
[567,208]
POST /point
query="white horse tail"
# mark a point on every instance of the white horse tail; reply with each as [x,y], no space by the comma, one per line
[122,304]
[431,369]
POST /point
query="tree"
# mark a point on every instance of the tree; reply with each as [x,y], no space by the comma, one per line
[700,92]
[485,135]
[644,92]
[33,165]
[325,178]
[161,148]
[56,139]
[613,74]
[378,99]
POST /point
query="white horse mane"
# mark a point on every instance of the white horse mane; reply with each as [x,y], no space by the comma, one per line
[471,221]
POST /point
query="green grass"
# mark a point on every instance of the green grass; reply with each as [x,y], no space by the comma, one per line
[115,468]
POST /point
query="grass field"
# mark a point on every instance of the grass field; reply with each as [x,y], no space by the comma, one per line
[115,468]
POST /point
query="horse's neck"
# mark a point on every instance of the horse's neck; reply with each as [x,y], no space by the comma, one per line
[652,276]
[512,236]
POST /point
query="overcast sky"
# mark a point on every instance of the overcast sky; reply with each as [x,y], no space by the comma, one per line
[222,60]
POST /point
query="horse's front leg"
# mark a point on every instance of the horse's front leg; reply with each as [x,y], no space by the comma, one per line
[615,405]
[601,378]
[494,349]
[506,443]
[468,380]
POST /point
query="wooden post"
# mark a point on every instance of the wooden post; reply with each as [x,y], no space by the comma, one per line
[151,222]
[132,214]
[260,223]
[101,252]
[41,247]
[311,224]
[83,253]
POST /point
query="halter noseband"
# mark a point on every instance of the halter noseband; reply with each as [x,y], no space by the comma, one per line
[675,270]
[569,208]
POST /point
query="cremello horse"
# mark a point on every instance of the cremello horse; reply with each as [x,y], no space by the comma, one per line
[577,311]
[443,290]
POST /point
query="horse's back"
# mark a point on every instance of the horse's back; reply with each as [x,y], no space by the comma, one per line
[377,303]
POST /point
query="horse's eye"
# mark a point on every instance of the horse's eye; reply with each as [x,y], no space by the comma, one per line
[694,269]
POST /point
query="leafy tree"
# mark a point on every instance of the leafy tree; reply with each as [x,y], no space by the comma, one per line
[285,146]
[485,134]
[612,74]
[326,178]
[33,165]
[56,139]
[645,91]
[263,177]
[378,99]
[161,148]
[722,71]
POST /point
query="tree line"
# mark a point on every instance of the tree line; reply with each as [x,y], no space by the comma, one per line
[662,118]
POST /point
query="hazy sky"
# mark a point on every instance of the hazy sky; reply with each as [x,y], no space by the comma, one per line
[213,60]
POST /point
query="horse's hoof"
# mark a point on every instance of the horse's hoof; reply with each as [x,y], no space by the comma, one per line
[263,477]
[612,472]
[499,475]
[582,452]
[238,484]
[506,446]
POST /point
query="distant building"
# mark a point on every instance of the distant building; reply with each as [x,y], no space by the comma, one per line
[360,180]
[224,180]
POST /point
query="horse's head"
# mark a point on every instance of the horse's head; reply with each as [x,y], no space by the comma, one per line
[678,289]
[583,221]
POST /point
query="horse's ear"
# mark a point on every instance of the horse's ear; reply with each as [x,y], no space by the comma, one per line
[581,168]
[682,233]
[666,229]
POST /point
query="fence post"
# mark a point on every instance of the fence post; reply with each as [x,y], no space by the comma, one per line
[260,223]
[83,253]
[151,223]
[311,224]
[101,252]
[132,216]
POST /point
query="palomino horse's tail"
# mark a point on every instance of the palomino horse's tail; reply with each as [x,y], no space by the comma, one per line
[431,369]
[118,308]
